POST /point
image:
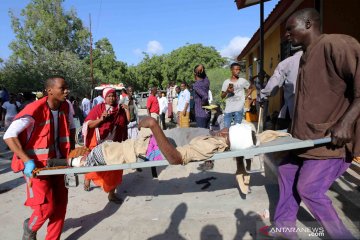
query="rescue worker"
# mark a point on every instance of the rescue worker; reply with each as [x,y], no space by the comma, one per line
[43,130]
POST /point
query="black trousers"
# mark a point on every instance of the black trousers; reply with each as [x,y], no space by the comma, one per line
[162,120]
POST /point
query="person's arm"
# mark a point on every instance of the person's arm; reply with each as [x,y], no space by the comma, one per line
[185,108]
[97,122]
[226,89]
[15,146]
[249,91]
[274,83]
[166,148]
[11,136]
[343,131]
[127,112]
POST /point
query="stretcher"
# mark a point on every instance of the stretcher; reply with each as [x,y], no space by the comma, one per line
[278,145]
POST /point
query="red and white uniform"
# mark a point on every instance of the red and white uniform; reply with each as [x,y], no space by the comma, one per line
[44,134]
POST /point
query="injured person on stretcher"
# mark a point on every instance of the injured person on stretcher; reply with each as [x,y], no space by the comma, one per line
[177,146]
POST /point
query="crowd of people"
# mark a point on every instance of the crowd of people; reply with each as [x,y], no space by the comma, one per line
[12,103]
[44,129]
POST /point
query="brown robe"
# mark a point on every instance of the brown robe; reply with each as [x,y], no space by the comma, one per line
[328,81]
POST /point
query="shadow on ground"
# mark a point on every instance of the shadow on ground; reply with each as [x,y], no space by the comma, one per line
[88,222]
[172,231]
[142,184]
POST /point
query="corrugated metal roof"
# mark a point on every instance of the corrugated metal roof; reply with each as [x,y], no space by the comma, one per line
[275,14]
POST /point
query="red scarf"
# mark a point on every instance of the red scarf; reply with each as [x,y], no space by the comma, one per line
[117,118]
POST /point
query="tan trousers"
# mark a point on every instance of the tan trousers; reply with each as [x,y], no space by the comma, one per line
[155,116]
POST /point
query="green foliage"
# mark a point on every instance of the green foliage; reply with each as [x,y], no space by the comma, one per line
[48,41]
[176,66]
[106,68]
[45,26]
[25,77]
[149,72]
[217,76]
[180,63]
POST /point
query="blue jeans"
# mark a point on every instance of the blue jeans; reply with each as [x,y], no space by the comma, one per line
[237,118]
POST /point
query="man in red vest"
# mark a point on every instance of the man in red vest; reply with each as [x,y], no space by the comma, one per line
[43,130]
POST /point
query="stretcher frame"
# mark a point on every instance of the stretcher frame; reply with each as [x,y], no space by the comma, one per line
[278,145]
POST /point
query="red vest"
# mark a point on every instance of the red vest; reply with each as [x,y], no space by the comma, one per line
[41,144]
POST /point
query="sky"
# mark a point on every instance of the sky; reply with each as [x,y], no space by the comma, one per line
[155,27]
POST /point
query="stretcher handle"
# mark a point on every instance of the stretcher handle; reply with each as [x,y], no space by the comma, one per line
[322,140]
[261,169]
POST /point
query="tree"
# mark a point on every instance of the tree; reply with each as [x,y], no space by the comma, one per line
[217,77]
[106,68]
[179,64]
[18,76]
[48,41]
[45,26]
[149,71]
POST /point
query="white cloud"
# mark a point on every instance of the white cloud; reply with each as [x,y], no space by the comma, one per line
[234,48]
[154,47]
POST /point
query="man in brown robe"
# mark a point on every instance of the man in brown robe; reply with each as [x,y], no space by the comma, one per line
[327,102]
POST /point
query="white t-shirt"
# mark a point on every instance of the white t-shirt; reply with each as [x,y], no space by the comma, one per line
[26,122]
[184,97]
[163,104]
[236,102]
[10,109]
[85,106]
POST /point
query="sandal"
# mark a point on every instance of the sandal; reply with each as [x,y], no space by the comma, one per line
[87,185]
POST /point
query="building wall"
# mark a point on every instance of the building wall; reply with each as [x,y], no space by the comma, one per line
[338,17]
[272,46]
[272,58]
[341,17]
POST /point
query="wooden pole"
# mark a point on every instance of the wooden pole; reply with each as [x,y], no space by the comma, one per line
[261,75]
[91,58]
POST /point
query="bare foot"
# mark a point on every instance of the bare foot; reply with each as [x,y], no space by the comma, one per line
[87,185]
[113,198]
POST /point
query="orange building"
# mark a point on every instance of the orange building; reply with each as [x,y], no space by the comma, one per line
[337,17]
